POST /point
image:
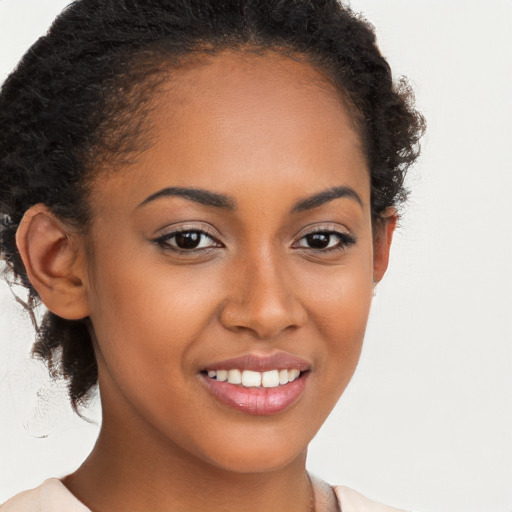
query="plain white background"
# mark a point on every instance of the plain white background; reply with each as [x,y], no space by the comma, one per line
[426,423]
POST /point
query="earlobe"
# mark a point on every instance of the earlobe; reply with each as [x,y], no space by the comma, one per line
[382,243]
[53,261]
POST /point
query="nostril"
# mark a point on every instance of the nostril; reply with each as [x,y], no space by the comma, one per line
[260,326]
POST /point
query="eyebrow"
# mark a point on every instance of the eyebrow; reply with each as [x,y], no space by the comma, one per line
[208,198]
[325,196]
[198,195]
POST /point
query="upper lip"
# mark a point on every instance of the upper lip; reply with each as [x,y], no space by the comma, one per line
[262,362]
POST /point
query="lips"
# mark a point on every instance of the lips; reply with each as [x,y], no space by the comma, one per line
[259,385]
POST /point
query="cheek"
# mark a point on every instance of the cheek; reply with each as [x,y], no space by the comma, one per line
[340,294]
[148,322]
[151,313]
[338,306]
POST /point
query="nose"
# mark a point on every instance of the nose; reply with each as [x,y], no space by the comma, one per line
[263,300]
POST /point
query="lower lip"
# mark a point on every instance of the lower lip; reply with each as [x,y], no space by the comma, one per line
[257,401]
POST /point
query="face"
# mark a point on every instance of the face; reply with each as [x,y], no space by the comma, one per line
[239,246]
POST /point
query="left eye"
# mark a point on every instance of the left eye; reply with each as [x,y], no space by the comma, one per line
[188,240]
[322,240]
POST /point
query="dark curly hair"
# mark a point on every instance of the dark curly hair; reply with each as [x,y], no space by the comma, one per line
[79,98]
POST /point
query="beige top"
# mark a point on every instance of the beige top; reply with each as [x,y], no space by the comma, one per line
[53,496]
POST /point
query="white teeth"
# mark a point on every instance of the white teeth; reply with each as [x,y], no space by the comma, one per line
[283,377]
[270,379]
[222,375]
[234,377]
[293,374]
[250,379]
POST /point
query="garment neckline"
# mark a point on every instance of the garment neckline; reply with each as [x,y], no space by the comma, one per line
[326,499]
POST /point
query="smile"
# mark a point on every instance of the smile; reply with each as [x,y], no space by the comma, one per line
[258,384]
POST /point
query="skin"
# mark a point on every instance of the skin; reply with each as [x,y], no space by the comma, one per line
[268,132]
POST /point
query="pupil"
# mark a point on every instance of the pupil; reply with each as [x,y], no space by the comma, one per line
[188,240]
[318,240]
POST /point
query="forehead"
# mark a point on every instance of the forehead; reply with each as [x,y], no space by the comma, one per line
[246,119]
[242,88]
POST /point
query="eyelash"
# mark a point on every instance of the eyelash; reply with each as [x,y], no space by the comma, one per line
[345,241]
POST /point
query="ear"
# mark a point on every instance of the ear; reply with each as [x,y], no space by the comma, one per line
[382,239]
[53,259]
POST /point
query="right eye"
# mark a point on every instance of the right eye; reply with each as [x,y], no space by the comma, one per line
[188,240]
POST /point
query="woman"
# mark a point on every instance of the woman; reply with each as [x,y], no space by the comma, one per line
[203,195]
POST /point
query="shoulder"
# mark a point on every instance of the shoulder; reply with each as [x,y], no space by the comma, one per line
[352,501]
[51,496]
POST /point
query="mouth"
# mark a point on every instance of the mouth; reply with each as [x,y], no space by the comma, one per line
[258,385]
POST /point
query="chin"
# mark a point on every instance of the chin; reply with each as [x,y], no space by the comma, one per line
[267,453]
